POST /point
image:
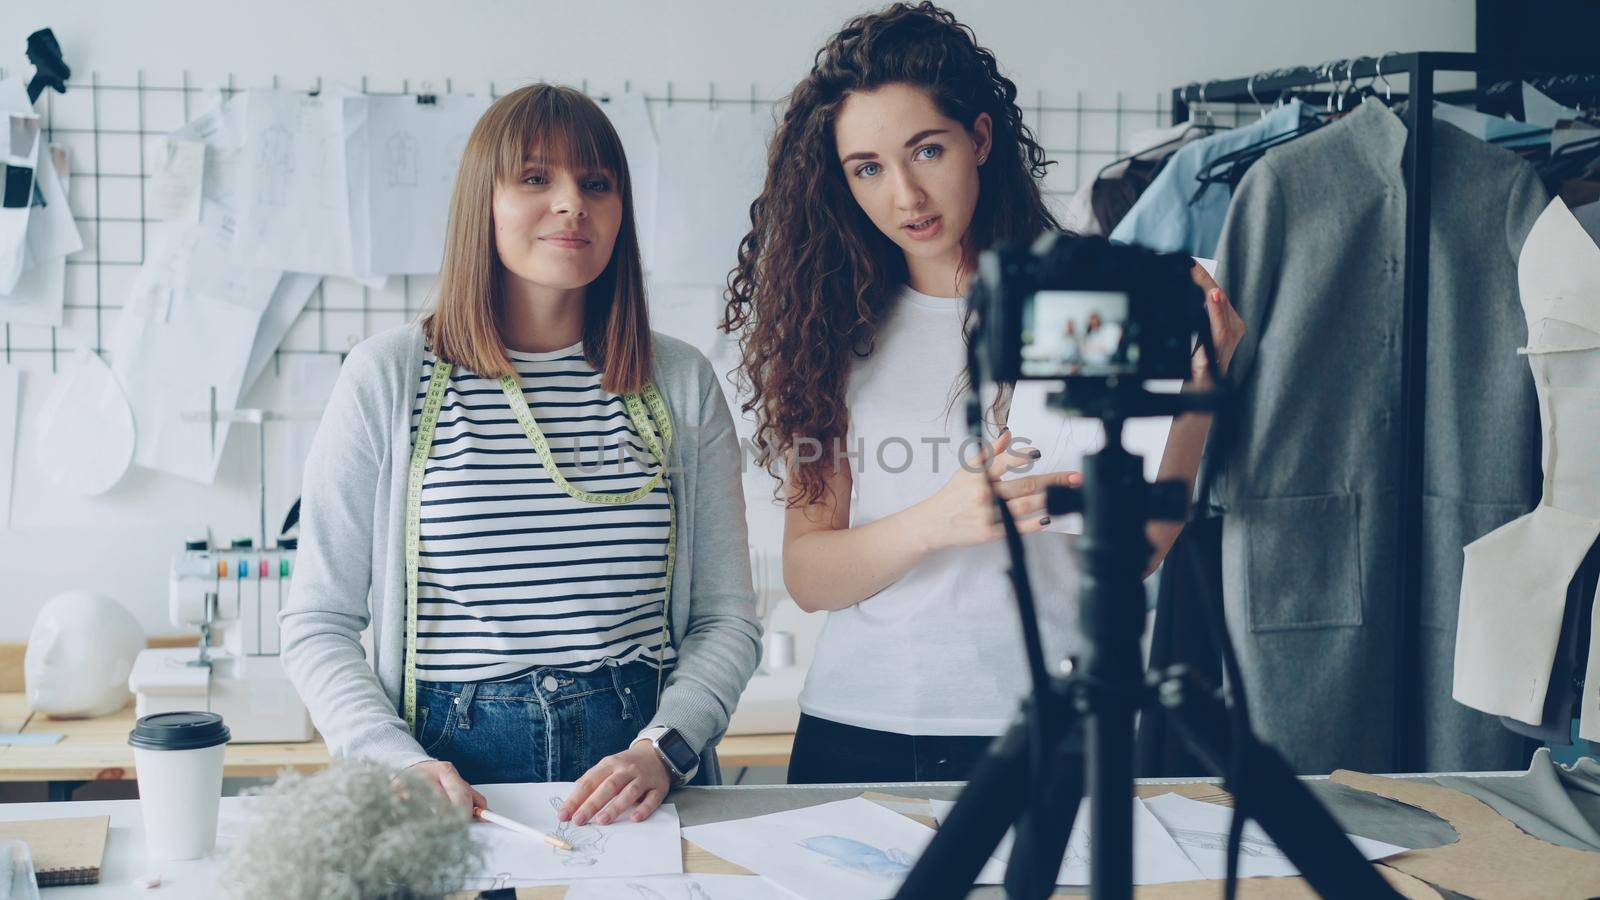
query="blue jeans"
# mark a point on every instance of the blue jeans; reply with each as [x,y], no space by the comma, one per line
[547,725]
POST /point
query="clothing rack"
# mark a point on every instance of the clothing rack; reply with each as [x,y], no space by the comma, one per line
[1564,79]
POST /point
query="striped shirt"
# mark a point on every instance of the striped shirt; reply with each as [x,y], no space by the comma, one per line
[514,574]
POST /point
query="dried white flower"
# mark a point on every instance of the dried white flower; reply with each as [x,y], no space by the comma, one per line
[345,833]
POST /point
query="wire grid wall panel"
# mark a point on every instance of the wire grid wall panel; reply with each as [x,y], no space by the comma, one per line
[112,129]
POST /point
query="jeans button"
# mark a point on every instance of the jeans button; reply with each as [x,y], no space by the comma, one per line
[549,684]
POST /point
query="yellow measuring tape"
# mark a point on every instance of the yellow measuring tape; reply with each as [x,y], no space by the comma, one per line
[646,409]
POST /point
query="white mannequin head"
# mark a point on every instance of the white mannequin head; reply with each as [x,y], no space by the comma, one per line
[80,652]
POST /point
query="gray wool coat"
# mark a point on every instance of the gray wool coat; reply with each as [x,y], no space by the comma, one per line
[1312,255]
[351,563]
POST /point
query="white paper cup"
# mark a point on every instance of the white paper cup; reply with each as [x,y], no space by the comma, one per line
[178,758]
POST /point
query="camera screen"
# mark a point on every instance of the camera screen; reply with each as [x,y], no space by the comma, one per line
[1076,333]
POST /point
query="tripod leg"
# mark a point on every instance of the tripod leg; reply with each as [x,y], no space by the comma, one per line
[1045,827]
[995,796]
[1287,810]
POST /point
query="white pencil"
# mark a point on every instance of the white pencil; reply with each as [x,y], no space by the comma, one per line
[514,825]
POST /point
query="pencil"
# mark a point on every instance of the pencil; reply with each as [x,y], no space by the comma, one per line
[514,825]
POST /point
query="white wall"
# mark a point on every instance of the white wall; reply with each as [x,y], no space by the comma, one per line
[1110,51]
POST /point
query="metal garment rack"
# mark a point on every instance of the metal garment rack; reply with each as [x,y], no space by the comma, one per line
[1562,78]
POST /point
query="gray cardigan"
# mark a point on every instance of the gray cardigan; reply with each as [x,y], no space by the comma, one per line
[352,548]
[1313,256]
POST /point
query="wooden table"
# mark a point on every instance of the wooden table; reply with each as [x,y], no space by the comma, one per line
[97,750]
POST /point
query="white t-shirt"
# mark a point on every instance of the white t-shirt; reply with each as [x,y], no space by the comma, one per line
[940,651]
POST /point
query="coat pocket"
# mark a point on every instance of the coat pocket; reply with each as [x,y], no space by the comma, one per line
[1295,561]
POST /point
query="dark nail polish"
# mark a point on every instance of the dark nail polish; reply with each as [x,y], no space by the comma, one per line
[1045,521]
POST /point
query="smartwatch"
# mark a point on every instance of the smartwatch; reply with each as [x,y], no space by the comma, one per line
[673,749]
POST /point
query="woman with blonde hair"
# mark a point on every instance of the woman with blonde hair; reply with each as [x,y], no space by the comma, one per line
[532,500]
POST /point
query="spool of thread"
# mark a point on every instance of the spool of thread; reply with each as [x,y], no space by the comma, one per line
[779,647]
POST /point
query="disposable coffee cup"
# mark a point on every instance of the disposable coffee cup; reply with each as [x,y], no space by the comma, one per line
[178,756]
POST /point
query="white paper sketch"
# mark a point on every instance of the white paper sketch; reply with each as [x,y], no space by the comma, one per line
[221,128]
[84,431]
[678,887]
[712,165]
[834,851]
[288,300]
[170,365]
[302,207]
[14,219]
[1157,858]
[624,850]
[630,116]
[178,179]
[588,841]
[414,150]
[39,295]
[1201,830]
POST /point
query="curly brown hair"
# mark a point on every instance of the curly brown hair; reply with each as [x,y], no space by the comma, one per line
[815,275]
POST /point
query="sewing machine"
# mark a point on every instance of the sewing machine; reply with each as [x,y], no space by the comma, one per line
[234,594]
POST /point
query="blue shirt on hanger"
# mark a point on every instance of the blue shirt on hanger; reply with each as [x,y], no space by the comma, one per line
[1164,219]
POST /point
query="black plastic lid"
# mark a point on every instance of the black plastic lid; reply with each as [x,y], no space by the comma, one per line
[178,731]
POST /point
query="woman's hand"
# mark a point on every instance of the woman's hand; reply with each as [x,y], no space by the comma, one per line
[634,779]
[963,513]
[1227,328]
[442,777]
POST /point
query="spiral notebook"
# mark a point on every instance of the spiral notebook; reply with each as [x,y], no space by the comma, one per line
[65,851]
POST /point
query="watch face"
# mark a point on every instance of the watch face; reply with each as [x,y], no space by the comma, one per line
[678,751]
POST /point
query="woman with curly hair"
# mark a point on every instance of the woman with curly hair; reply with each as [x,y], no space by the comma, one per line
[899,158]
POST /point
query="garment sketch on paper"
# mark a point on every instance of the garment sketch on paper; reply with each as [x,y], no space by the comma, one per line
[848,853]
[400,160]
[588,841]
[274,165]
[452,159]
[1201,839]
[691,891]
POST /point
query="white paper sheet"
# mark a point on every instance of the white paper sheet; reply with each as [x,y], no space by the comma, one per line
[176,183]
[713,162]
[1201,829]
[10,407]
[1157,858]
[624,850]
[679,887]
[301,208]
[1540,111]
[14,220]
[288,301]
[52,232]
[84,432]
[413,152]
[630,116]
[169,364]
[845,850]
[222,130]
[39,296]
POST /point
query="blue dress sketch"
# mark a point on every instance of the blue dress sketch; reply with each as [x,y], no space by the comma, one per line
[847,853]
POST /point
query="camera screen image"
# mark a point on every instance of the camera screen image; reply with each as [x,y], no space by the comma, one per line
[1068,334]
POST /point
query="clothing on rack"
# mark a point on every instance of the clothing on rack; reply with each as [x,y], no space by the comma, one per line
[1312,254]
[1102,201]
[1168,216]
[1515,581]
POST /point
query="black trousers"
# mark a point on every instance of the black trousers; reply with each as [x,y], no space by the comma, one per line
[827,752]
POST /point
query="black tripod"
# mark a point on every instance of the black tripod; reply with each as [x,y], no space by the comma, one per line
[1083,723]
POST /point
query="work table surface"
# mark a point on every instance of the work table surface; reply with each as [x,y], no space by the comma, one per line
[97,749]
[124,857]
